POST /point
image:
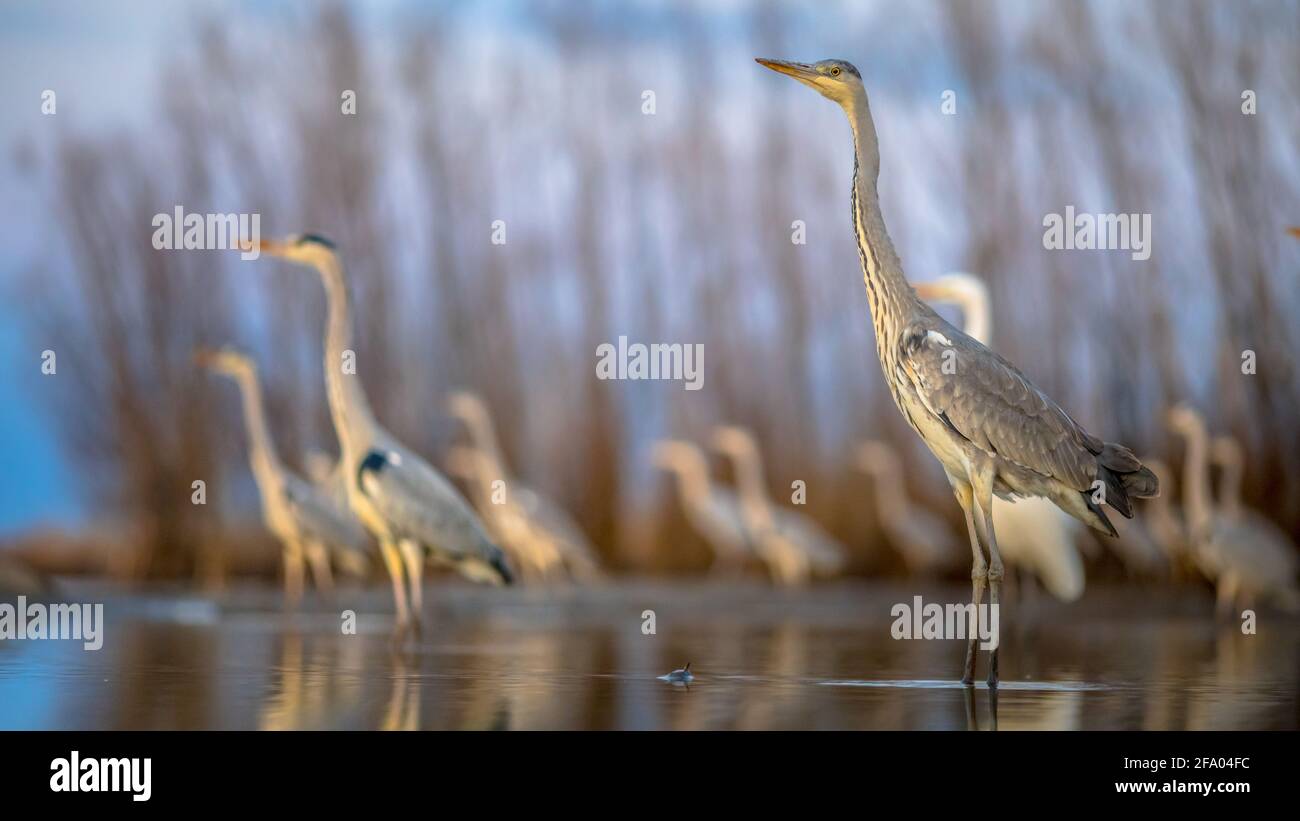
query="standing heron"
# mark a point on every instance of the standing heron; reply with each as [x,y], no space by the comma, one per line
[531,552]
[1245,556]
[412,510]
[1033,533]
[922,537]
[547,519]
[308,522]
[990,428]
[713,512]
[798,546]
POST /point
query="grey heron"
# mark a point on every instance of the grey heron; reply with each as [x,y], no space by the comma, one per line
[798,547]
[713,512]
[923,538]
[1244,555]
[308,523]
[535,556]
[413,510]
[990,428]
[547,519]
[1032,532]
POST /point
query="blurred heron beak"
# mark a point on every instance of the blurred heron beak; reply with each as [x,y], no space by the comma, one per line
[272,247]
[927,290]
[1295,232]
[204,357]
[799,71]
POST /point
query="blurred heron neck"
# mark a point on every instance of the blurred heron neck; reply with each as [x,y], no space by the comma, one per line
[261,449]
[353,421]
[1196,483]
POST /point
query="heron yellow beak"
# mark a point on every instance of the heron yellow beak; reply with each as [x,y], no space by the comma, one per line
[799,71]
[1295,232]
[274,248]
[204,357]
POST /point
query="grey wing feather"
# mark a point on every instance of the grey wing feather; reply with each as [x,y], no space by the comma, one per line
[320,518]
[988,401]
[423,506]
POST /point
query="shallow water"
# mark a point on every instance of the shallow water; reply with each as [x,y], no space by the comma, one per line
[578,659]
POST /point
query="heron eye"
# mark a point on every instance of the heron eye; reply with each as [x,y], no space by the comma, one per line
[835,72]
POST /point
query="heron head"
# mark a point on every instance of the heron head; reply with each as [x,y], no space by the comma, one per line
[733,441]
[836,80]
[466,406]
[956,287]
[670,454]
[226,360]
[1225,451]
[308,249]
[1184,419]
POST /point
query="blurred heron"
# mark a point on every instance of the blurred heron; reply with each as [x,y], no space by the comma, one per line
[308,522]
[413,511]
[530,551]
[1245,556]
[713,512]
[1033,533]
[547,519]
[990,428]
[922,537]
[795,545]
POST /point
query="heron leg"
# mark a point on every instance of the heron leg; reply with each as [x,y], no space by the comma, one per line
[978,572]
[293,574]
[413,556]
[982,490]
[319,558]
[393,561]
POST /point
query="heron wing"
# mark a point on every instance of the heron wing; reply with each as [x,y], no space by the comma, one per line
[419,504]
[987,400]
[320,518]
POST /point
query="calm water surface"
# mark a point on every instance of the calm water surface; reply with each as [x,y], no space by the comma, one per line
[578,659]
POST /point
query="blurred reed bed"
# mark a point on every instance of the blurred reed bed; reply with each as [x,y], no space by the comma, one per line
[670,227]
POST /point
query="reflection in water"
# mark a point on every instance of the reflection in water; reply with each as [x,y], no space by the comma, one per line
[762,660]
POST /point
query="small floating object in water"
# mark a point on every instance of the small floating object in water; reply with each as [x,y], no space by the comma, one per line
[682,676]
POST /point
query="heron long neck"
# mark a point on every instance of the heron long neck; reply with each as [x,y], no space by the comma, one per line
[1196,482]
[261,449]
[353,421]
[749,480]
[976,315]
[891,503]
[484,435]
[1230,486]
[891,298]
[693,486]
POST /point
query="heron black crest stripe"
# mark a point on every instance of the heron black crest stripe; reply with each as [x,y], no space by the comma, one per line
[375,462]
[319,240]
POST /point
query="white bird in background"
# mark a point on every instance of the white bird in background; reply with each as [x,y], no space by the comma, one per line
[1034,535]
[532,553]
[412,510]
[1247,557]
[799,548]
[547,519]
[923,538]
[309,524]
[712,511]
